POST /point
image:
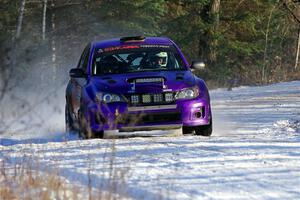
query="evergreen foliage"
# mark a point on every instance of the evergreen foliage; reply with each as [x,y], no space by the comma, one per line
[254,40]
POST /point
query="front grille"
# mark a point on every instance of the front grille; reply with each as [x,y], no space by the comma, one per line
[151,99]
[146,118]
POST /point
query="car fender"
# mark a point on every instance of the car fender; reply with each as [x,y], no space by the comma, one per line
[203,88]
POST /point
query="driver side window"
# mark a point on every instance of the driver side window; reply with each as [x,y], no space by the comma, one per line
[83,62]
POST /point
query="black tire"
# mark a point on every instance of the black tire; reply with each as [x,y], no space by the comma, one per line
[88,134]
[85,131]
[99,135]
[187,130]
[69,121]
[205,130]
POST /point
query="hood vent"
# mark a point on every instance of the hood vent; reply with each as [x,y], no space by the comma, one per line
[179,76]
[111,81]
[142,80]
[106,78]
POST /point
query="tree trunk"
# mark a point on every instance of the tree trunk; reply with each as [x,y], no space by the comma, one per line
[20,19]
[44,20]
[263,73]
[53,44]
[298,49]
[213,41]
[296,14]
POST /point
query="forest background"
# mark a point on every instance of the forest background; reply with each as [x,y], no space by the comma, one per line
[243,42]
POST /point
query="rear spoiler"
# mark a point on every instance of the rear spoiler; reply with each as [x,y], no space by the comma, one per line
[133,39]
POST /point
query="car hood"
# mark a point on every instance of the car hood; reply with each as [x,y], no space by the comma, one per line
[146,82]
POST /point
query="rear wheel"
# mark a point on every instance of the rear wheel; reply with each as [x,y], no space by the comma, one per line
[69,121]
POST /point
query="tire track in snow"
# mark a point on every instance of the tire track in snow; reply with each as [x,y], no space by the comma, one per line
[254,153]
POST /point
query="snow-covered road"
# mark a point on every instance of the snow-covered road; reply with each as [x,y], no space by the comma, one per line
[254,153]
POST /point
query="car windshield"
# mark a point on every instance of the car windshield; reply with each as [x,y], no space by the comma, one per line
[136,58]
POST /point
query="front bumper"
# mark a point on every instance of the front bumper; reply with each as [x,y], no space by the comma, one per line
[120,116]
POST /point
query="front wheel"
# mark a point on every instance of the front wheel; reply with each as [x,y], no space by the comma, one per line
[85,130]
[205,130]
[187,130]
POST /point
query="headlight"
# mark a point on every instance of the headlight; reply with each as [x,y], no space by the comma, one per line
[108,97]
[188,93]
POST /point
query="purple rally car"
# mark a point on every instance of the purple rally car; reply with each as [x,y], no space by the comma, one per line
[136,83]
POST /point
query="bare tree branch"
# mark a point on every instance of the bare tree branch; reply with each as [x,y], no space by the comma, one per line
[44,19]
[20,20]
[286,5]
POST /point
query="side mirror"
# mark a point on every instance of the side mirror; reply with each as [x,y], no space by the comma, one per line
[198,65]
[77,73]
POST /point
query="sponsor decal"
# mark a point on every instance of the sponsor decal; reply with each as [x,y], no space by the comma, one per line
[118,48]
[133,87]
[154,46]
[115,48]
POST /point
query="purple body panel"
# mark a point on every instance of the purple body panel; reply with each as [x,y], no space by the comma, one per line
[119,115]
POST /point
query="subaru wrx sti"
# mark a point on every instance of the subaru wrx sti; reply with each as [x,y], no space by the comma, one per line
[133,84]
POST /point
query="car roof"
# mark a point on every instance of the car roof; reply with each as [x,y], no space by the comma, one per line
[118,42]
